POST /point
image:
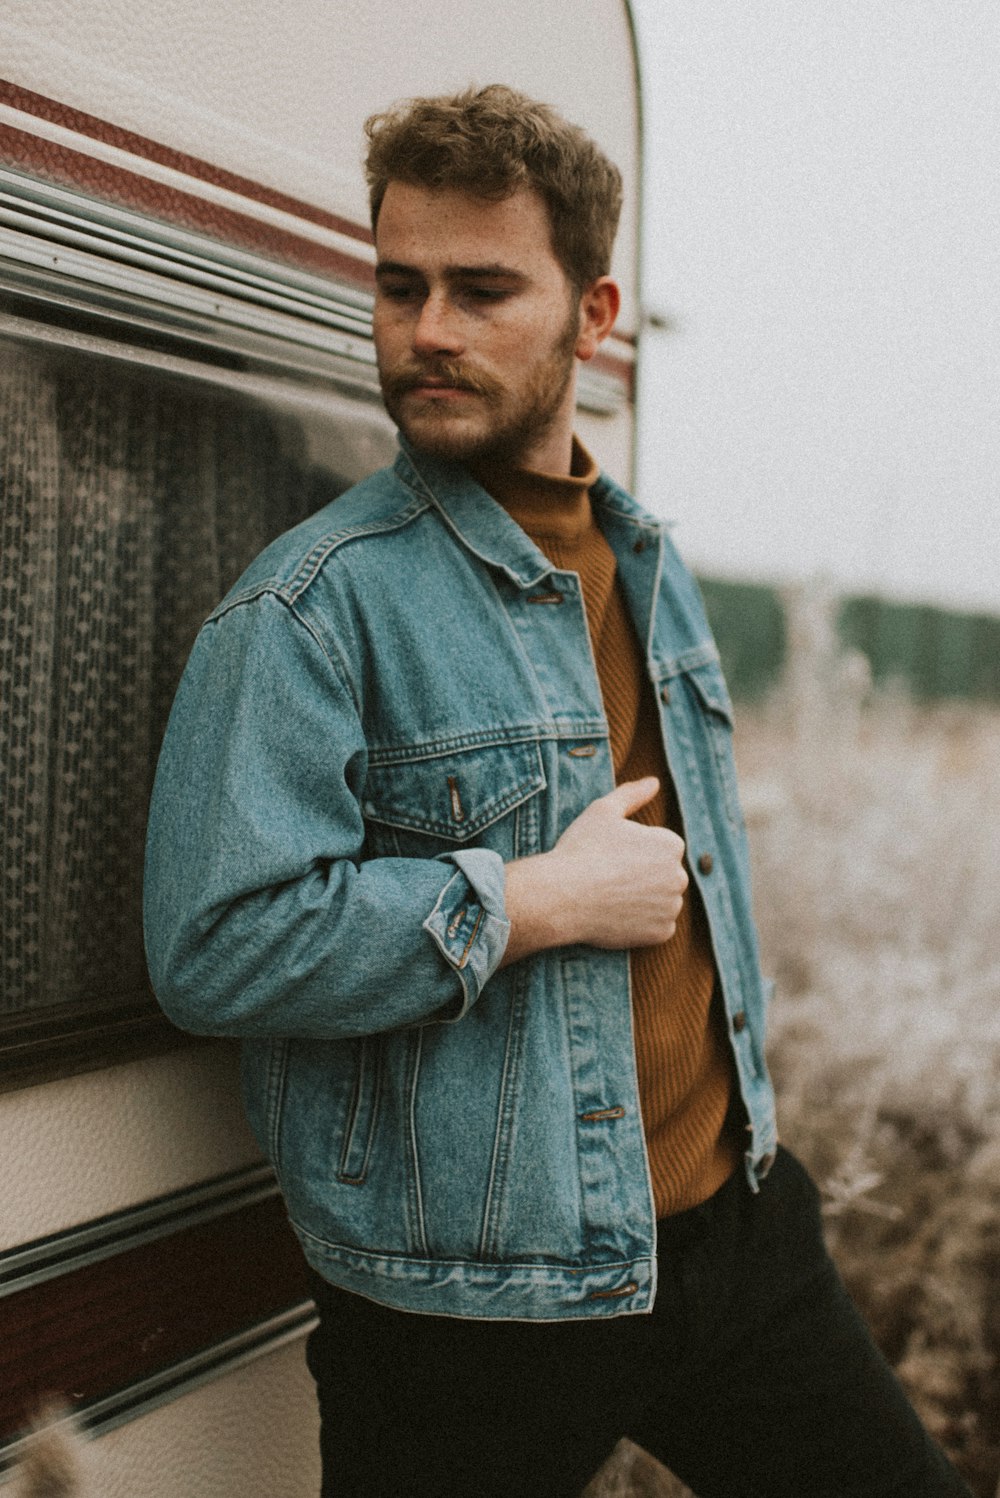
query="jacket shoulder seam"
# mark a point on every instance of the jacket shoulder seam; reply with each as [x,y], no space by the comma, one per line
[290,588]
[311,565]
[270,589]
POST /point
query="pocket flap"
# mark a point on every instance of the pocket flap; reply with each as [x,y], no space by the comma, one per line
[454,794]
[710,687]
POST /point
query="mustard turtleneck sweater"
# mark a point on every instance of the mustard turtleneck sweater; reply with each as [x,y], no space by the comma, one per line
[682,1054]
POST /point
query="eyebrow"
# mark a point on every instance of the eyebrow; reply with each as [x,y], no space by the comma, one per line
[491,270]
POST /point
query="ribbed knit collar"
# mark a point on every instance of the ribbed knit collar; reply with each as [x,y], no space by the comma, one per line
[550,505]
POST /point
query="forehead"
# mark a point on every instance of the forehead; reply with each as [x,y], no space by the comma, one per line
[432,228]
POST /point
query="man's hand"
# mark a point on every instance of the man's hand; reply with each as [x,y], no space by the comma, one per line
[608,882]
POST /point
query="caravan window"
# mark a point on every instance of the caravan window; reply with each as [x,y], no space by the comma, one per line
[132,495]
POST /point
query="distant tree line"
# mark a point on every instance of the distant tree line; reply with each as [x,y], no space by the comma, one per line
[934,653]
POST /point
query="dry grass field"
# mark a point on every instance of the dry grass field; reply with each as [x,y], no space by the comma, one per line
[875,830]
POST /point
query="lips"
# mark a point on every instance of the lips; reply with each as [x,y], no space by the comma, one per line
[439,392]
[427,384]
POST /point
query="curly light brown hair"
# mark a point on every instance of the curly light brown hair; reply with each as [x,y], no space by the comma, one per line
[492,141]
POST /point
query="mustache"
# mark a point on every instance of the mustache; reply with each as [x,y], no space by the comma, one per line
[406,377]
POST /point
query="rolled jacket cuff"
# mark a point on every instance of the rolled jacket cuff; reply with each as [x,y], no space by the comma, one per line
[469,922]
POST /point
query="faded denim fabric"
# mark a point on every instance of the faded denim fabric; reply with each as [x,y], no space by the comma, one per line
[375,719]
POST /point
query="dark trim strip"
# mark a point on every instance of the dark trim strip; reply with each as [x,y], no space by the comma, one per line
[71,168]
[55,113]
[101,1330]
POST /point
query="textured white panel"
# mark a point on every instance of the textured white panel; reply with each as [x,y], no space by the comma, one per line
[279,92]
[82,1147]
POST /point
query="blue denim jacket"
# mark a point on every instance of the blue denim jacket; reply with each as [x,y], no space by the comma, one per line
[377,717]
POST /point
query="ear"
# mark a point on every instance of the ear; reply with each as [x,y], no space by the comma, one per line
[599,306]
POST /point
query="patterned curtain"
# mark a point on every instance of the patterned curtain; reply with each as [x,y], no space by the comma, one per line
[129,502]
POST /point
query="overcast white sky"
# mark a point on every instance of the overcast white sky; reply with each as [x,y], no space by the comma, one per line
[823,228]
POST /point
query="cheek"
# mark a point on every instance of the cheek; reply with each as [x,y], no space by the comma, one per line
[388,323]
[521,343]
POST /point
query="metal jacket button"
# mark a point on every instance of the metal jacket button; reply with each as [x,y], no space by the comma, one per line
[706,863]
[622,1290]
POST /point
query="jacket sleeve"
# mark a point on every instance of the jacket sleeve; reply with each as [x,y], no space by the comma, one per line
[262,917]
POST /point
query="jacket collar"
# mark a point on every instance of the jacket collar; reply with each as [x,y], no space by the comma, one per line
[484,527]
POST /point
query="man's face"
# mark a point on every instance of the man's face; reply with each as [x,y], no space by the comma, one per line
[476,326]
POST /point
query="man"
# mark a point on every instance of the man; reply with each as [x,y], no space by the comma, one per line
[430,860]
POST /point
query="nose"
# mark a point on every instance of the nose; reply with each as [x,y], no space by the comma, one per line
[437,329]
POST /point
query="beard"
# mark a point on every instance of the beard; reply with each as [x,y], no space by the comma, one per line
[498,422]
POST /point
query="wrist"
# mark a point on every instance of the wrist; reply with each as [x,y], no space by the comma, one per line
[540,914]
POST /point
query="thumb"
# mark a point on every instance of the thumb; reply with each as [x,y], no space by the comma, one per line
[628,797]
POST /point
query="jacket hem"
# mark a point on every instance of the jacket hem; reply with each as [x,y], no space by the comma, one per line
[487,1292]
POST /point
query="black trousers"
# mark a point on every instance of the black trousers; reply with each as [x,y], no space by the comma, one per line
[753,1377]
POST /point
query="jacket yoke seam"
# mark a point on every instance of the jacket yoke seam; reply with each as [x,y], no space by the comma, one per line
[308,568]
[334,541]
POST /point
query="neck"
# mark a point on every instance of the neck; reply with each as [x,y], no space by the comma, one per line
[536,498]
[554,455]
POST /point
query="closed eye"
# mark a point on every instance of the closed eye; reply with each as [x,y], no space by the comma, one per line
[473,287]
[400,291]
[484,293]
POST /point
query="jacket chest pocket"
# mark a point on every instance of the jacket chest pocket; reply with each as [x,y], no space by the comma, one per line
[486,796]
[713,715]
